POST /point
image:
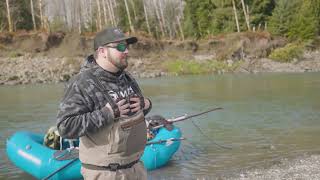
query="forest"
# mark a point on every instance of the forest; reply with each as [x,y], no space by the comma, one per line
[297,20]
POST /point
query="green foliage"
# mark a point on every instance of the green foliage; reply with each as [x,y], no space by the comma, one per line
[23,16]
[198,15]
[222,21]
[295,19]
[183,67]
[20,14]
[282,16]
[2,16]
[14,54]
[260,11]
[212,17]
[304,26]
[287,53]
[122,15]
[138,18]
[315,8]
[190,19]
[136,14]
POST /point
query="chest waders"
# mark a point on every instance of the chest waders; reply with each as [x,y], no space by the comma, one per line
[116,146]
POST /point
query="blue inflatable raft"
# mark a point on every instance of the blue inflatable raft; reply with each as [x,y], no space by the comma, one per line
[25,150]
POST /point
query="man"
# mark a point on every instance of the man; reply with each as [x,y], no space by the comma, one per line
[103,105]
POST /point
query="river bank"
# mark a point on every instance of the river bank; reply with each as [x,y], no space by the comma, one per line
[43,69]
[51,58]
[306,167]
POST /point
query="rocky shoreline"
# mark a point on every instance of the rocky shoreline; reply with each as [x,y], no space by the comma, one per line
[28,58]
[310,62]
[41,69]
[305,167]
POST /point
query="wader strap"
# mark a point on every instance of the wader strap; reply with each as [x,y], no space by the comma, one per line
[110,100]
[110,167]
[136,88]
[134,83]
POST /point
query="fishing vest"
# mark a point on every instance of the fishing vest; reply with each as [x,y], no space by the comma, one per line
[123,142]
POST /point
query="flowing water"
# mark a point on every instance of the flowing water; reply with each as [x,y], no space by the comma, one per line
[265,117]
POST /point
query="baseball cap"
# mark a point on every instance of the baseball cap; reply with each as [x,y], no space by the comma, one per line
[110,35]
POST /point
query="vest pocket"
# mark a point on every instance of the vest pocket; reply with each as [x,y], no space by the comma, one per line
[118,139]
[128,135]
[137,139]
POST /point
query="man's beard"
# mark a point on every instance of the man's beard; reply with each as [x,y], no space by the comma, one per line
[120,63]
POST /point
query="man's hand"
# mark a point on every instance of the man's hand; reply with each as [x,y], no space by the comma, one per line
[124,108]
[135,104]
[110,108]
[146,103]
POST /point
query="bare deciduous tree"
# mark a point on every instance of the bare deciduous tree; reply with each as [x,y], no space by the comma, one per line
[161,15]
[129,17]
[114,5]
[134,9]
[235,15]
[9,16]
[110,12]
[104,13]
[99,25]
[245,14]
[79,17]
[41,14]
[33,17]
[159,18]
[146,16]
[180,28]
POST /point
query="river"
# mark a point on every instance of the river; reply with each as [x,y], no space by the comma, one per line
[266,117]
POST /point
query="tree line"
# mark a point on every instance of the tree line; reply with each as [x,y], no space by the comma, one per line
[173,19]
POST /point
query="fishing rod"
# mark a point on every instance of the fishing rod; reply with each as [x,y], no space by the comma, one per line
[212,141]
[185,117]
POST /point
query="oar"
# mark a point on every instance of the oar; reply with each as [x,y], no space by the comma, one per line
[165,141]
[184,117]
[60,169]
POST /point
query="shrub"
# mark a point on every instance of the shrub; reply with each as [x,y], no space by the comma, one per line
[287,53]
[183,67]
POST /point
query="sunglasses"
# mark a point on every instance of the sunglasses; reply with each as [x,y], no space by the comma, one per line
[120,47]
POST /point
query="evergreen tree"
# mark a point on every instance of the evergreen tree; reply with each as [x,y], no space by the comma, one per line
[282,16]
[205,15]
[190,20]
[223,21]
[304,26]
[260,11]
[136,13]
[200,18]
[315,6]
[122,15]
[139,19]
[23,15]
[3,23]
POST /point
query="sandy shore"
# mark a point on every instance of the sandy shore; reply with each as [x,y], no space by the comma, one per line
[305,167]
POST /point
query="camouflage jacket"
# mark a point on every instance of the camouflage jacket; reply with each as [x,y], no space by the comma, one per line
[82,109]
